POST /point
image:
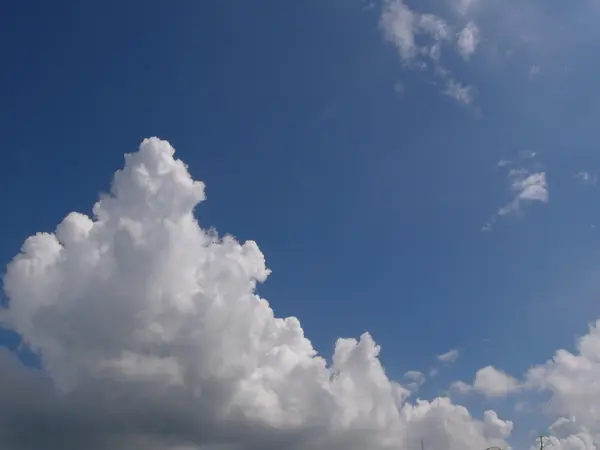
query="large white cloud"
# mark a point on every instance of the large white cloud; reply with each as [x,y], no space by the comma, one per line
[151,335]
[570,386]
[573,382]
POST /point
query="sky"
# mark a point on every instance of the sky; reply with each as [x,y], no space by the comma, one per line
[326,224]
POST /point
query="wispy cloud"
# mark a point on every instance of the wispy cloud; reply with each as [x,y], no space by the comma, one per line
[527,154]
[516,33]
[401,26]
[467,40]
[420,38]
[459,92]
[399,88]
[450,356]
[528,187]
[533,71]
[586,177]
[463,6]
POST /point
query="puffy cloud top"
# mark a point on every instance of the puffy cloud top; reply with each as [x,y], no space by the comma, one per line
[151,335]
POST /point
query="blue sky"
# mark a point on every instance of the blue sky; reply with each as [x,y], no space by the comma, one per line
[364,183]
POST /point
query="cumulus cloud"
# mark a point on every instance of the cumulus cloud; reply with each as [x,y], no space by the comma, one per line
[570,388]
[496,426]
[151,335]
[489,382]
[414,375]
[492,382]
[415,380]
[449,357]
[571,380]
[527,187]
[461,387]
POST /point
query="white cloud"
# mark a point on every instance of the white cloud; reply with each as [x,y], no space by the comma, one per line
[467,40]
[528,187]
[398,23]
[463,6]
[404,27]
[496,426]
[461,387]
[415,375]
[449,357]
[434,26]
[571,379]
[492,382]
[401,26]
[415,378]
[519,35]
[569,382]
[489,382]
[151,335]
[459,92]
[586,177]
